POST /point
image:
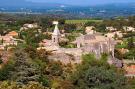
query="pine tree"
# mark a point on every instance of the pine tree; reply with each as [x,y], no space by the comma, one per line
[24,70]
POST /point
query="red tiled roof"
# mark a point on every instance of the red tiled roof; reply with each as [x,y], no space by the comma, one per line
[12,33]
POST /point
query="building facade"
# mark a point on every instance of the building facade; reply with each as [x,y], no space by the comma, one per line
[92,43]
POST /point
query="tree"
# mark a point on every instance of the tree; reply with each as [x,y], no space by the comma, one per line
[90,24]
[43,77]
[66,85]
[1,61]
[25,20]
[62,84]
[130,43]
[44,80]
[14,85]
[5,71]
[61,21]
[32,37]
[25,70]
[118,54]
[54,69]
[92,74]
[104,57]
[34,85]
[43,55]
[101,27]
[31,51]
[8,85]
[101,78]
[46,23]
[130,54]
[69,27]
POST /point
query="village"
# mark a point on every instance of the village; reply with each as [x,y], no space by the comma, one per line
[67,44]
[55,53]
[90,42]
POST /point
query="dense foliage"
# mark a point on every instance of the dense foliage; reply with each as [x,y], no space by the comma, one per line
[94,74]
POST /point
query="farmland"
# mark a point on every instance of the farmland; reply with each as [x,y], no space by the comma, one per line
[81,21]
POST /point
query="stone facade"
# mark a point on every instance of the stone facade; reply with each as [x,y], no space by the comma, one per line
[92,43]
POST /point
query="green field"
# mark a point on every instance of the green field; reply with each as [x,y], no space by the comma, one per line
[81,21]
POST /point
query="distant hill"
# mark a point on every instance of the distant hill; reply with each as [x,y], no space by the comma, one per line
[99,11]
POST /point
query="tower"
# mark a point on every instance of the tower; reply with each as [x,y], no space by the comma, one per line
[56,34]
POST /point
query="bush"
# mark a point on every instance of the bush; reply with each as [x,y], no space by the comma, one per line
[1,61]
[6,70]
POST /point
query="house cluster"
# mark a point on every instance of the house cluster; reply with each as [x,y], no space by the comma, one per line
[129,29]
[115,33]
[111,29]
[88,43]
[8,40]
[125,28]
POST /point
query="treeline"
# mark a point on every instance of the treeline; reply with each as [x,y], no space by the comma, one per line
[14,22]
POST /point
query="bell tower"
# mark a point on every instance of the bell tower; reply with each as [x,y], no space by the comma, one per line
[56,34]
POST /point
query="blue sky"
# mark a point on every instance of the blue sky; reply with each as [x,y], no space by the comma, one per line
[84,2]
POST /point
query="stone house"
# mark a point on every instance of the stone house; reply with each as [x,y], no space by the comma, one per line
[118,34]
[127,29]
[13,33]
[7,40]
[90,30]
[130,70]
[95,44]
[29,26]
[111,29]
[34,25]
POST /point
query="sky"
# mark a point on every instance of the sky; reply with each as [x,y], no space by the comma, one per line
[84,2]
